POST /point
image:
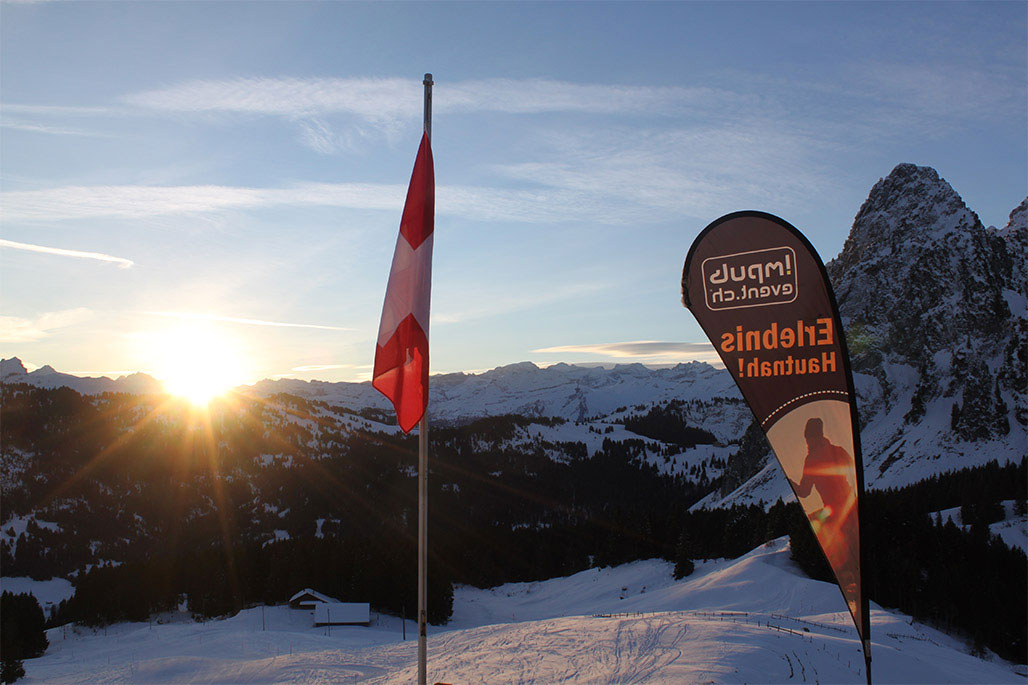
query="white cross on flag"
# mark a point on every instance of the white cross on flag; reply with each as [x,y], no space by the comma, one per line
[401,356]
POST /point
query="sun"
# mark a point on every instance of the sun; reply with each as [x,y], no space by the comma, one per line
[198,362]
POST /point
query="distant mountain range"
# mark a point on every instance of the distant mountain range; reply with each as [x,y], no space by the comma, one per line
[936,312]
[14,371]
[575,393]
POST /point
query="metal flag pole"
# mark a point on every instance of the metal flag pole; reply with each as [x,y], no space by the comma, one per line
[423,481]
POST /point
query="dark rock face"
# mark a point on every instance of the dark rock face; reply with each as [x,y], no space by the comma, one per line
[920,281]
[920,273]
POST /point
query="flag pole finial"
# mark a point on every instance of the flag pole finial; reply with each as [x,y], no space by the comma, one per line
[428,83]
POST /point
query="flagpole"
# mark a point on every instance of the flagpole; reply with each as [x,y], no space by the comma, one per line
[423,481]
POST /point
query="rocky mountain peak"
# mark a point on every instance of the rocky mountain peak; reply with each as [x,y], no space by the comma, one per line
[12,367]
[919,272]
[921,282]
[910,206]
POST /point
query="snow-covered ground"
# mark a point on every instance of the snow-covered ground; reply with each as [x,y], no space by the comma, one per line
[753,619]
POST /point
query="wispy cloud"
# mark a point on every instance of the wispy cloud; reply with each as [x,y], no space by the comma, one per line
[640,349]
[322,367]
[32,127]
[82,202]
[957,91]
[389,98]
[78,254]
[91,373]
[694,171]
[372,99]
[14,329]
[540,205]
[534,96]
[58,110]
[489,303]
[386,105]
[194,316]
[314,368]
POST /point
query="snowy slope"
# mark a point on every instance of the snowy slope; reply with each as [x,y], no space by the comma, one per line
[754,619]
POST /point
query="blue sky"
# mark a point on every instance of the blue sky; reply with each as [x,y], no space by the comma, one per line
[235,171]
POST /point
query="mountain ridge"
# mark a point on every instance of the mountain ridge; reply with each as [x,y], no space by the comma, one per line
[934,306]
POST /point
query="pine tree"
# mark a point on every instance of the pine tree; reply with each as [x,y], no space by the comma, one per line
[684,552]
[10,670]
[22,634]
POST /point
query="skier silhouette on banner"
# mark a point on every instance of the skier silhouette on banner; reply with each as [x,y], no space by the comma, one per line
[831,470]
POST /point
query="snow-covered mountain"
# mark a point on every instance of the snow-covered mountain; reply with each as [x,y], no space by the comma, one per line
[936,311]
[571,392]
[937,305]
[575,393]
[936,317]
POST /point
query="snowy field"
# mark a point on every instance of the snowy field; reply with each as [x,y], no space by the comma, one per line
[755,619]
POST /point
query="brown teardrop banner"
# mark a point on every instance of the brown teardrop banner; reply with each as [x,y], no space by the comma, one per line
[760,292]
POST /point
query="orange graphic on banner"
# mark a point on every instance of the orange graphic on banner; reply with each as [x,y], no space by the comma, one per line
[830,469]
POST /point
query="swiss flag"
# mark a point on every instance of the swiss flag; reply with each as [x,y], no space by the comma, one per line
[401,356]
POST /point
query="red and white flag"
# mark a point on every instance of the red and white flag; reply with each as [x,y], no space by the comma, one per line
[401,356]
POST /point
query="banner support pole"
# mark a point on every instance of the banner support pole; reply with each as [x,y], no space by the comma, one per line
[423,481]
[422,549]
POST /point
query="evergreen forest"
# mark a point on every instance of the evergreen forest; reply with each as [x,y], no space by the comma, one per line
[148,516]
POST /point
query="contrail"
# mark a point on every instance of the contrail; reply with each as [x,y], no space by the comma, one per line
[120,261]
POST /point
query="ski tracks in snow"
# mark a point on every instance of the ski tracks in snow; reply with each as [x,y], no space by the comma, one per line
[644,647]
[564,650]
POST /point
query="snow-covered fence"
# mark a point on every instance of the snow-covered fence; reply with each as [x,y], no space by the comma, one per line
[781,629]
[919,638]
[810,623]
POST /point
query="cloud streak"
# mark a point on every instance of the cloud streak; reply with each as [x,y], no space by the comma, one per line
[137,201]
[490,303]
[192,316]
[542,205]
[78,254]
[31,127]
[322,367]
[15,329]
[396,98]
[640,349]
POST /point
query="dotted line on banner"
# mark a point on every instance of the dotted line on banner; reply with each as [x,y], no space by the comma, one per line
[797,399]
